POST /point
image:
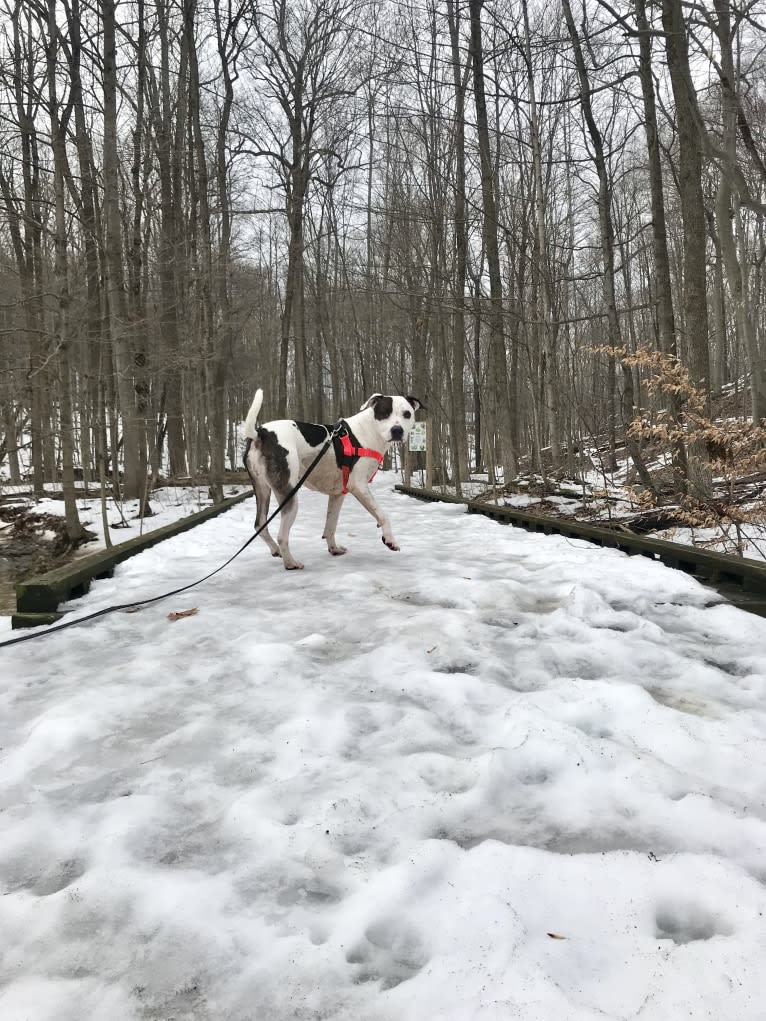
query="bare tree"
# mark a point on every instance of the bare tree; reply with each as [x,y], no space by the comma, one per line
[696,350]
[134,484]
[498,389]
[301,62]
[460,77]
[607,244]
[728,209]
[58,114]
[24,214]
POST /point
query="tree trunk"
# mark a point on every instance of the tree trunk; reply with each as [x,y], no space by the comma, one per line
[96,328]
[458,433]
[696,352]
[543,327]
[727,214]
[497,390]
[662,282]
[75,531]
[170,250]
[133,483]
[607,248]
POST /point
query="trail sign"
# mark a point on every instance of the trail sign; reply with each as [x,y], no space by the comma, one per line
[418,437]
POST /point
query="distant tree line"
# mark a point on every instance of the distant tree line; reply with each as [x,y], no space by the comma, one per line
[492,205]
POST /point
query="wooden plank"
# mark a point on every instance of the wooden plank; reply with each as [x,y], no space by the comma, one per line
[20,620]
[42,594]
[429,495]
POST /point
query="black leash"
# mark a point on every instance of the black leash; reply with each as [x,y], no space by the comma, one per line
[183,588]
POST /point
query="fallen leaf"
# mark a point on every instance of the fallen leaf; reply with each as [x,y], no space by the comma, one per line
[555,935]
[429,651]
[177,615]
[134,609]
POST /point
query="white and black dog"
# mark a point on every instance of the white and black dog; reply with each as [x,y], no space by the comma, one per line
[278,453]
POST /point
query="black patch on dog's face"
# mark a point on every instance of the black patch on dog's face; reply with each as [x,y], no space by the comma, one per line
[315,435]
[275,457]
[383,407]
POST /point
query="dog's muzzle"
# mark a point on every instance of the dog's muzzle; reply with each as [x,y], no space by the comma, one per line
[397,434]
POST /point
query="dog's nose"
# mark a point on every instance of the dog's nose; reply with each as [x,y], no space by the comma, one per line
[397,433]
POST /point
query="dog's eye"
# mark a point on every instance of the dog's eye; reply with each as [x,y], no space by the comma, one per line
[407,414]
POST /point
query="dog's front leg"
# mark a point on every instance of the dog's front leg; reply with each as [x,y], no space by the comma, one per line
[359,488]
[334,505]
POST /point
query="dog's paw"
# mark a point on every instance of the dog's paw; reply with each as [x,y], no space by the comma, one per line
[391,543]
[294,565]
[336,551]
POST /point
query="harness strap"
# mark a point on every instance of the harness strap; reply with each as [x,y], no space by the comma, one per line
[348,452]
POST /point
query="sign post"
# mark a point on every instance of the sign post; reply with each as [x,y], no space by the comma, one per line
[418,435]
[419,441]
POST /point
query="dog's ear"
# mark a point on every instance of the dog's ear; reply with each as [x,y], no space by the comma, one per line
[370,402]
[417,405]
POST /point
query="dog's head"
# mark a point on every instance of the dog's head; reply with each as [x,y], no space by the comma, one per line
[393,416]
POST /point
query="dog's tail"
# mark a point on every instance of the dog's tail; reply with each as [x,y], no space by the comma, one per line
[252,415]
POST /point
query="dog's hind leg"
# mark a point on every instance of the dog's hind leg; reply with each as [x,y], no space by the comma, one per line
[262,498]
[334,505]
[286,519]
[253,461]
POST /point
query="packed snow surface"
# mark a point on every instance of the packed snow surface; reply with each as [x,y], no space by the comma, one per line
[496,775]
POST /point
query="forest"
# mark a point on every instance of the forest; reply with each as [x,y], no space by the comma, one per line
[546,219]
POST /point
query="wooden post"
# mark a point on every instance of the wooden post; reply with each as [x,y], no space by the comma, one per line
[429,458]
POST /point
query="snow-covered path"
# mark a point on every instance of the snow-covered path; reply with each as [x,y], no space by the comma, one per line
[494,776]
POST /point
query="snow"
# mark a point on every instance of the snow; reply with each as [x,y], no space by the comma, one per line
[497,775]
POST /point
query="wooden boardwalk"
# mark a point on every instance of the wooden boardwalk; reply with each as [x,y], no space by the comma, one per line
[740,580]
[38,598]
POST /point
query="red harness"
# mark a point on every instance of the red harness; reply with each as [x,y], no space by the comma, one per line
[347,453]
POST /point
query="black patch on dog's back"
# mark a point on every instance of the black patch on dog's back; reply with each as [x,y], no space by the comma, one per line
[315,435]
[248,441]
[383,407]
[275,457]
